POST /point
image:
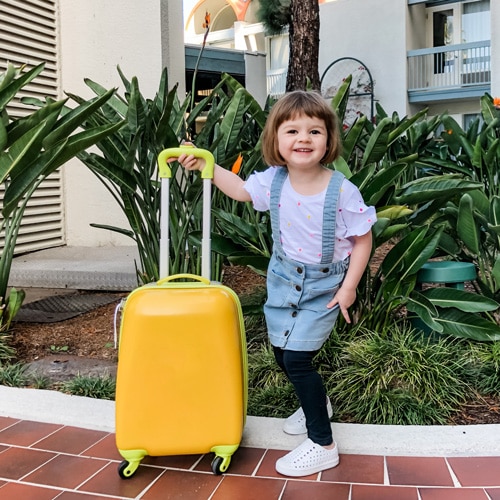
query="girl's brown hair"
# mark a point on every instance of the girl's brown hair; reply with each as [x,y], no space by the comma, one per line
[291,105]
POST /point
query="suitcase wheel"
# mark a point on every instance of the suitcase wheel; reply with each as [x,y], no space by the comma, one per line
[220,465]
[127,469]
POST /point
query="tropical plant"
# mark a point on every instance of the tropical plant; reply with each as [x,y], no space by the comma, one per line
[31,148]
[473,219]
[232,133]
[127,163]
[394,165]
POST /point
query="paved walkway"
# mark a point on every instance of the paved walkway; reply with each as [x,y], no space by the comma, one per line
[57,446]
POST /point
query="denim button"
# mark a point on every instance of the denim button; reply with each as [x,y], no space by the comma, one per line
[325,270]
[294,314]
[298,288]
[286,333]
[293,305]
[300,270]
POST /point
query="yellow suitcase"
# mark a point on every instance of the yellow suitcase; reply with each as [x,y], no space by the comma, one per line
[182,368]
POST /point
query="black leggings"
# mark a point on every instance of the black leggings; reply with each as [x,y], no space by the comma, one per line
[298,367]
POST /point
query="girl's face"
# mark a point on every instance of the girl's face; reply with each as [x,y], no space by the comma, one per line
[302,141]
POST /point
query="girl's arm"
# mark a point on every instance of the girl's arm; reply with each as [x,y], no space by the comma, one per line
[229,183]
[360,255]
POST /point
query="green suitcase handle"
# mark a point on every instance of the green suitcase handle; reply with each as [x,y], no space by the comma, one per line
[181,276]
[164,168]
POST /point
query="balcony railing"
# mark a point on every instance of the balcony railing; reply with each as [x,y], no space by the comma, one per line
[276,82]
[463,67]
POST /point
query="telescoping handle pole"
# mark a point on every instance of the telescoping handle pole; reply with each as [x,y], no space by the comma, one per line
[207,175]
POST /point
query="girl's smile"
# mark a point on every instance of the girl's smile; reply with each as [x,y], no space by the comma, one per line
[302,141]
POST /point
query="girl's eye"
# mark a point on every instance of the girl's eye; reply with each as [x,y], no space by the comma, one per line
[315,132]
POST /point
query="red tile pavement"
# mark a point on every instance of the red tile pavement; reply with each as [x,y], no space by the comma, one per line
[42,461]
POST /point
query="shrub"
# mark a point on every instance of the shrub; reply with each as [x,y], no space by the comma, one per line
[91,387]
[401,378]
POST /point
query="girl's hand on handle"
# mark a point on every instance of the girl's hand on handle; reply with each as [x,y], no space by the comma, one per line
[191,162]
[187,161]
[229,183]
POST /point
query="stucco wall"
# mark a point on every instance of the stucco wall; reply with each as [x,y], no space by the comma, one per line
[369,31]
[96,36]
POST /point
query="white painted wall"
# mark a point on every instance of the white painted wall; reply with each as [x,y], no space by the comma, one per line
[255,76]
[369,31]
[495,48]
[96,36]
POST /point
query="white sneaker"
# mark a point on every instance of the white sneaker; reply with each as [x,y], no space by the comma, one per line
[308,458]
[296,423]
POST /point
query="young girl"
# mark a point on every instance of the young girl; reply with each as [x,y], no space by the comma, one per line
[322,243]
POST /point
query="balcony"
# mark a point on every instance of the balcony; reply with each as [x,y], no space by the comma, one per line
[450,72]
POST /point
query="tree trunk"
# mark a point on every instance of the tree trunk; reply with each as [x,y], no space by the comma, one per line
[303,36]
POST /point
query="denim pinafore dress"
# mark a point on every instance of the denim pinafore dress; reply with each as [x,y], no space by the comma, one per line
[296,314]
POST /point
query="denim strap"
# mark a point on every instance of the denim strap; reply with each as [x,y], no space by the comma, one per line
[329,212]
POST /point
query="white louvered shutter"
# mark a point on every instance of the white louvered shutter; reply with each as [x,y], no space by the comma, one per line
[28,36]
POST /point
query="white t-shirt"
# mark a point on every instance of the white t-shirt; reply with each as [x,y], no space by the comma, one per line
[301,217]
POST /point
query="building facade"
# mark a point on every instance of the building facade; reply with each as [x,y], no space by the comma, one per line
[79,40]
[404,54]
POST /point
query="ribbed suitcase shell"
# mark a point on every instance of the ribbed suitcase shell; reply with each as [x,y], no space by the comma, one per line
[181,381]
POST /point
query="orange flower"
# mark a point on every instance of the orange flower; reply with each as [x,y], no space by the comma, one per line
[235,169]
[496,102]
[206,24]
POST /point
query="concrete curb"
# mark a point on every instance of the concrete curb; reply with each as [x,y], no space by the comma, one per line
[266,433]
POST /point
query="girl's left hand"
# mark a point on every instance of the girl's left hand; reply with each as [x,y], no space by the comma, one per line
[344,298]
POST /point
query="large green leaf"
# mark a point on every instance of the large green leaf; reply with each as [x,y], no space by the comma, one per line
[10,86]
[51,160]
[341,165]
[460,299]
[468,325]
[378,142]
[466,225]
[115,102]
[494,211]
[253,106]
[424,309]
[394,212]
[74,118]
[384,179]
[481,202]
[352,137]
[405,124]
[49,112]
[455,137]
[386,232]
[341,98]
[430,188]
[496,272]
[488,111]
[233,120]
[136,113]
[23,152]
[409,254]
